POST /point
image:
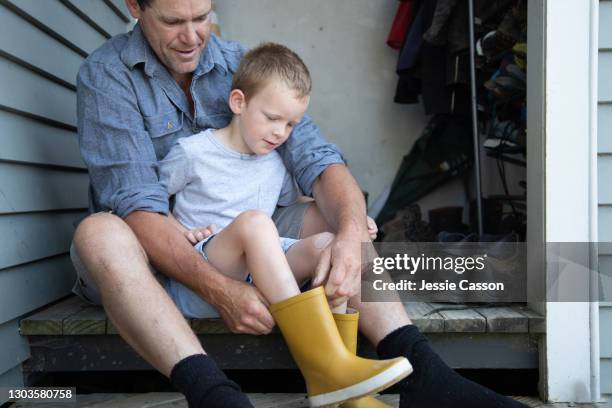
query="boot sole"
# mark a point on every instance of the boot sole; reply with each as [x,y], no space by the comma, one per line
[372,385]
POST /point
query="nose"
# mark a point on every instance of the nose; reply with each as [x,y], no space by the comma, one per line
[189,34]
[278,131]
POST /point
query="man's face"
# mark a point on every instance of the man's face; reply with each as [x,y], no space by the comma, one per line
[269,116]
[177,31]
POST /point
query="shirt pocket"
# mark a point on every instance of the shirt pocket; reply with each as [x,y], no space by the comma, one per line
[164,130]
[164,124]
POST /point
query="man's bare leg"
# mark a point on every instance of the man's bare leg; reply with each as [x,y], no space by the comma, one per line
[433,383]
[376,319]
[145,316]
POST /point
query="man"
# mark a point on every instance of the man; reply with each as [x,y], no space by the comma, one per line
[139,93]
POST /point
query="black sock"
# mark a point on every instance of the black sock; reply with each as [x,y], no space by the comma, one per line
[204,385]
[433,383]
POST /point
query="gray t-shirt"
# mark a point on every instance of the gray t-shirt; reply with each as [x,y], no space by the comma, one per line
[213,184]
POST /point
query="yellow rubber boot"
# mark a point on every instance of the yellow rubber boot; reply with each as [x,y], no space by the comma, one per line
[347,327]
[332,373]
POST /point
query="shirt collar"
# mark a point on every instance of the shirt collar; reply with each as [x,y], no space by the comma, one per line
[137,50]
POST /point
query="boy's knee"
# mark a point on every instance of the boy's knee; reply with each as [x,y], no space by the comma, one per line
[322,240]
[254,221]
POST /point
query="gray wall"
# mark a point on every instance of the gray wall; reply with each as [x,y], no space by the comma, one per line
[343,42]
[43,182]
[604,164]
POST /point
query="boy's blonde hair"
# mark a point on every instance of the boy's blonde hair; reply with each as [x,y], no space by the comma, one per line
[270,61]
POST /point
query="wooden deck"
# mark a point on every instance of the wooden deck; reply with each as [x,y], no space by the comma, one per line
[174,400]
[74,336]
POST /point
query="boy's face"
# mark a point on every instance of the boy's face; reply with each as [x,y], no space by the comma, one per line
[268,118]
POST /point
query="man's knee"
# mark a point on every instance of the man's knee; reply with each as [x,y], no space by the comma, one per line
[102,235]
[98,228]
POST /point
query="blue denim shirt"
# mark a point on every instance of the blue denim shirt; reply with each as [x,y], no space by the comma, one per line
[131,111]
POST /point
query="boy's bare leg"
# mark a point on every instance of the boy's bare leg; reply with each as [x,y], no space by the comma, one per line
[303,258]
[251,239]
[138,306]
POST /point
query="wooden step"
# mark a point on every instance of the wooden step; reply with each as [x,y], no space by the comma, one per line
[74,336]
[72,316]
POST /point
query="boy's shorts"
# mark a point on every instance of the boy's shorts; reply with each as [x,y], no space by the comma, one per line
[288,221]
[188,302]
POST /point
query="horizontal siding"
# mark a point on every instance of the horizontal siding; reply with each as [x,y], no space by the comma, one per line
[120,5]
[605,85]
[41,49]
[60,20]
[605,290]
[13,378]
[43,182]
[604,172]
[604,128]
[604,165]
[605,319]
[27,91]
[27,140]
[606,375]
[99,13]
[605,28]
[27,189]
[15,348]
[30,286]
[605,223]
[24,246]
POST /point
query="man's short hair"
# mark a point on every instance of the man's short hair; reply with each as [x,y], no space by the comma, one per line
[270,61]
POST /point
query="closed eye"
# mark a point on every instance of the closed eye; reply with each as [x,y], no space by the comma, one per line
[201,18]
[271,117]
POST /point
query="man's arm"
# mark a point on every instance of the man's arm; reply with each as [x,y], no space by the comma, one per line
[241,306]
[319,169]
[122,166]
[341,201]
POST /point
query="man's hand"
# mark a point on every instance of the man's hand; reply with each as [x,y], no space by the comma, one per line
[244,309]
[198,234]
[342,258]
[372,228]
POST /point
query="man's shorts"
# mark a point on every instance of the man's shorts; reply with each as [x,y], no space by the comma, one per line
[288,221]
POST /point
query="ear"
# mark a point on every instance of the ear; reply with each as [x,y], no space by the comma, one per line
[133,8]
[237,101]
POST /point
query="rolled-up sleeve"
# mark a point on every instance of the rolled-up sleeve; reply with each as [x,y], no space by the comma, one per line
[175,169]
[307,154]
[118,151]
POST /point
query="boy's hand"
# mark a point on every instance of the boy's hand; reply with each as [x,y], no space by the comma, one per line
[372,228]
[198,234]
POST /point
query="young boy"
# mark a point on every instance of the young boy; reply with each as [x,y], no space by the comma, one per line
[234,178]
